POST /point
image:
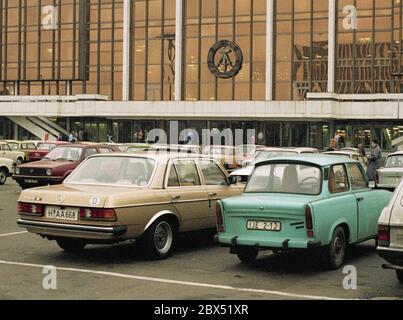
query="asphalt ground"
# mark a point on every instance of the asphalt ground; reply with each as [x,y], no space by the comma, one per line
[198,270]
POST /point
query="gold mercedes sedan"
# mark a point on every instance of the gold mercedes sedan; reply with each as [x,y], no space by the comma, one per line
[111,198]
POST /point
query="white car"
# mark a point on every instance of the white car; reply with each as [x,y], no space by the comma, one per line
[350,154]
[390,176]
[17,157]
[266,154]
[390,237]
[6,169]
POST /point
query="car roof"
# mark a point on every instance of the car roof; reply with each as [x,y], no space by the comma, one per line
[397,153]
[346,152]
[162,156]
[315,159]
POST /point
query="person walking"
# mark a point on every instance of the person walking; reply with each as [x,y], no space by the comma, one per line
[374,159]
[110,136]
[73,137]
[362,150]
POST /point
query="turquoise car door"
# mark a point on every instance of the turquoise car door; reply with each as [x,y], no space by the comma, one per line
[367,204]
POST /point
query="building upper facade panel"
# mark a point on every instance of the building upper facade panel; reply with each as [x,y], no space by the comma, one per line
[62,47]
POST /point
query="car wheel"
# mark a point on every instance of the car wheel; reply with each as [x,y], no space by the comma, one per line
[158,241]
[399,274]
[247,254]
[71,245]
[3,176]
[335,253]
[19,162]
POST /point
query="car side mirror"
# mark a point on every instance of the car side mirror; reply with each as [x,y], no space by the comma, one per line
[232,180]
[372,185]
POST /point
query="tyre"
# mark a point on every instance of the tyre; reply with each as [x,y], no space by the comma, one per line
[71,245]
[247,254]
[159,239]
[3,176]
[334,254]
[399,275]
[19,162]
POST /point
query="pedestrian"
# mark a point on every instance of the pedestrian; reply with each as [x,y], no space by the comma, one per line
[60,137]
[85,136]
[73,137]
[341,141]
[374,159]
[260,138]
[109,137]
[336,140]
[361,150]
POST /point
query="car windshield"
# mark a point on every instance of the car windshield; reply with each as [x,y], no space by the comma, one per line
[118,171]
[64,154]
[265,155]
[285,178]
[46,146]
[394,161]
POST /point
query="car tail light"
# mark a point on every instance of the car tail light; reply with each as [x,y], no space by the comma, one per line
[384,236]
[309,222]
[30,209]
[219,219]
[98,214]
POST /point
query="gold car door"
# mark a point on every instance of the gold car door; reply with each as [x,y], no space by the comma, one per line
[188,195]
[217,186]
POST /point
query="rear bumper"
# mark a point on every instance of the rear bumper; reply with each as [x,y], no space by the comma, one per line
[71,230]
[273,244]
[394,256]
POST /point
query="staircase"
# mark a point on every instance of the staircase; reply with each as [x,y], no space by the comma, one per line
[40,126]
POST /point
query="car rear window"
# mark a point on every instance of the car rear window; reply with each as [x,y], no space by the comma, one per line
[285,178]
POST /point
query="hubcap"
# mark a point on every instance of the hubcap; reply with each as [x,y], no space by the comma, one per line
[338,246]
[163,237]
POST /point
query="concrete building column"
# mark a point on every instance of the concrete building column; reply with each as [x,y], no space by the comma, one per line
[126,51]
[332,47]
[178,50]
[269,49]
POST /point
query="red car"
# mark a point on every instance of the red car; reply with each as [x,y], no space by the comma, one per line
[57,164]
[43,149]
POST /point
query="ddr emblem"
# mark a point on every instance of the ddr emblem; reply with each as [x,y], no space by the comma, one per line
[225,59]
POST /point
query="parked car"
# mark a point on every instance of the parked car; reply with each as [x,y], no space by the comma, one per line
[43,149]
[269,153]
[389,177]
[16,156]
[175,148]
[23,146]
[57,164]
[226,155]
[246,152]
[350,154]
[130,147]
[302,202]
[116,197]
[6,169]
[390,238]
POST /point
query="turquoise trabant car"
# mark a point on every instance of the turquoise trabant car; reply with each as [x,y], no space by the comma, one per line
[302,202]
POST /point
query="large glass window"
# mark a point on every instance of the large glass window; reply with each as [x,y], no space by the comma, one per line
[153,50]
[301,48]
[209,21]
[369,57]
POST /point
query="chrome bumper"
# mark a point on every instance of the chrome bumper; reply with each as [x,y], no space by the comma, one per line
[49,228]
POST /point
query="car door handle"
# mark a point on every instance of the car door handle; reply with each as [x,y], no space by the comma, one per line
[359,199]
[176,197]
[212,194]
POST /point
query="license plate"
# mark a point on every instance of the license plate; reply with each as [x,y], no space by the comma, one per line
[66,214]
[31,181]
[264,225]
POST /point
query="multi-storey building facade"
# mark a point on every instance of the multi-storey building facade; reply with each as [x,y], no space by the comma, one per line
[298,71]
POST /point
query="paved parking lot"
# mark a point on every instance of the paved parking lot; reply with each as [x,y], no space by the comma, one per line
[199,269]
